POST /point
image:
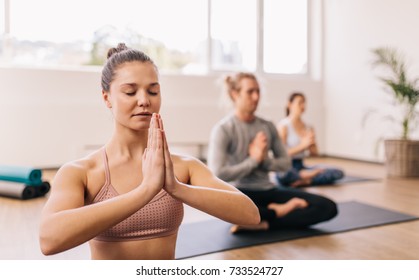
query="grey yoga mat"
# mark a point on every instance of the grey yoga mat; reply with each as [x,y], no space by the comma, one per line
[211,236]
[21,174]
[23,191]
[353,179]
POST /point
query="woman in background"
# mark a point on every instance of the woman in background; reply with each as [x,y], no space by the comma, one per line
[300,141]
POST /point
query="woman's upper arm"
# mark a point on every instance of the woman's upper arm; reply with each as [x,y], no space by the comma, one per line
[282,132]
[216,197]
[68,189]
[201,175]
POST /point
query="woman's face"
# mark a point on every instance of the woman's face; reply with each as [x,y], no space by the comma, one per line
[297,106]
[134,94]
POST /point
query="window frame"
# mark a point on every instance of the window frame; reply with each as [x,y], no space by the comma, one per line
[314,9]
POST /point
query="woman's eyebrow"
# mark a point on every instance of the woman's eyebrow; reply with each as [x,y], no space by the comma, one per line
[134,84]
[129,84]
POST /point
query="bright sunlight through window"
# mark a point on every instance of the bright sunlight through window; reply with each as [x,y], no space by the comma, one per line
[175,33]
[285,36]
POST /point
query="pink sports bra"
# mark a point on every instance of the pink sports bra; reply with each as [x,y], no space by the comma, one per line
[162,216]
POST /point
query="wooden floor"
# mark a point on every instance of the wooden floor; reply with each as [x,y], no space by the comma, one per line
[19,222]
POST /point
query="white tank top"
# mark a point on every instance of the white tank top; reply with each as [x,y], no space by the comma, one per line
[293,139]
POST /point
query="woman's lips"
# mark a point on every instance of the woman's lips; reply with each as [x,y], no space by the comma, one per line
[145,114]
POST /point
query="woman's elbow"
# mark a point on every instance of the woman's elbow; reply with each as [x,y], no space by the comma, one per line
[253,215]
[47,248]
[49,245]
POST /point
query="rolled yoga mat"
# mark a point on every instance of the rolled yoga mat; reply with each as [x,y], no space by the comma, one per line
[17,190]
[21,174]
[42,189]
[214,235]
[23,191]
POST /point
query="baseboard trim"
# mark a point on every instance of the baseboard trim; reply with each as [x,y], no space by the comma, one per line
[351,159]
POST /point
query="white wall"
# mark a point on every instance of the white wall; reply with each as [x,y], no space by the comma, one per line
[49,117]
[351,29]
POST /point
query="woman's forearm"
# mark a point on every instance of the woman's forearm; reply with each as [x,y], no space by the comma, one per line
[66,229]
[295,150]
[229,205]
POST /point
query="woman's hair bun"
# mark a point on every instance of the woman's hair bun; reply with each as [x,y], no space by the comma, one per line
[121,47]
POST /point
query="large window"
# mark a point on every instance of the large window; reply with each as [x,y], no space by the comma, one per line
[2,31]
[79,32]
[2,18]
[233,34]
[182,36]
[285,36]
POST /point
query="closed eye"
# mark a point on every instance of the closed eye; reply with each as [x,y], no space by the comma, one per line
[152,92]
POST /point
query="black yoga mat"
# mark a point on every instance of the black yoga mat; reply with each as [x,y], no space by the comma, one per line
[214,235]
[23,191]
[42,189]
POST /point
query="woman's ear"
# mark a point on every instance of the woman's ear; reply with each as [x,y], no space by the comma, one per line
[105,96]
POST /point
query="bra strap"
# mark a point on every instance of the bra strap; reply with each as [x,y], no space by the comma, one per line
[105,163]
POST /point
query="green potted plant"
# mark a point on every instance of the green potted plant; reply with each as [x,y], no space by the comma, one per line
[401,154]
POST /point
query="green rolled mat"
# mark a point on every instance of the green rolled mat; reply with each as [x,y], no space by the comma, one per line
[17,190]
[21,174]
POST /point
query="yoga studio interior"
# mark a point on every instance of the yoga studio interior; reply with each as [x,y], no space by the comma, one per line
[355,61]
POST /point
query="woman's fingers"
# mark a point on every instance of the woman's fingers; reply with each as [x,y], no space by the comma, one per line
[160,123]
[145,155]
[167,158]
[159,137]
[155,135]
[162,130]
[155,131]
[170,179]
[165,145]
[150,133]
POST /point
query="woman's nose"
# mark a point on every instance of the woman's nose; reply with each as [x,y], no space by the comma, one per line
[143,100]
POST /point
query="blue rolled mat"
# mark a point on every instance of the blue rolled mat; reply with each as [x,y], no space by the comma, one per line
[21,174]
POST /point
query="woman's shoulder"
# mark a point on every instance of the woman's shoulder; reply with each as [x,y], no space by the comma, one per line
[184,159]
[308,125]
[283,126]
[185,166]
[284,122]
[80,167]
[188,162]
